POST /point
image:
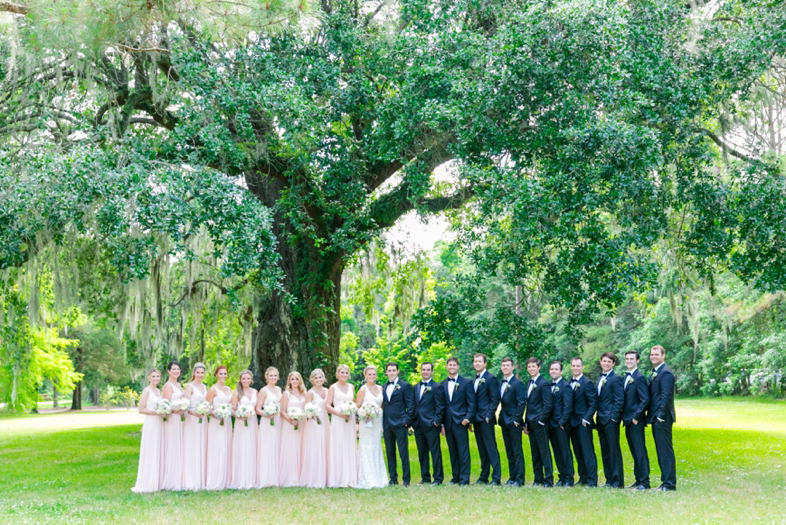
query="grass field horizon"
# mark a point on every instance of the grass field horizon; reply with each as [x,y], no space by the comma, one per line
[75,467]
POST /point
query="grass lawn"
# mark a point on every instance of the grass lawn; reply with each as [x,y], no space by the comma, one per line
[78,468]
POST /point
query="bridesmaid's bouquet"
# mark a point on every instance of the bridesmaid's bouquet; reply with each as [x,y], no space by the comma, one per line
[164,408]
[272,410]
[369,411]
[181,405]
[244,412]
[202,408]
[312,412]
[347,408]
[295,414]
[223,411]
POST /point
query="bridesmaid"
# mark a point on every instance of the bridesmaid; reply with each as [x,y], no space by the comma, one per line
[342,444]
[291,454]
[314,470]
[173,433]
[149,474]
[269,432]
[244,439]
[195,433]
[219,437]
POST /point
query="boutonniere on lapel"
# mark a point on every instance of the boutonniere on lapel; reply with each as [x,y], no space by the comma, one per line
[603,382]
[654,375]
[457,385]
[534,386]
[507,387]
[576,385]
[397,387]
[556,389]
[426,389]
[481,381]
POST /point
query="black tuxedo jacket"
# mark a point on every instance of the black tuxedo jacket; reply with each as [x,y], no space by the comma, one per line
[637,398]
[486,398]
[662,395]
[610,399]
[585,402]
[539,402]
[514,402]
[561,403]
[399,409]
[461,407]
[426,404]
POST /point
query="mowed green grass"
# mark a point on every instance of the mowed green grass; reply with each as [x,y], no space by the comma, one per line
[731,467]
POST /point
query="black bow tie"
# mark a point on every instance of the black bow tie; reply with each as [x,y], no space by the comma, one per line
[532,381]
[451,379]
[628,373]
[555,382]
[477,376]
[391,383]
[604,375]
[574,380]
[425,383]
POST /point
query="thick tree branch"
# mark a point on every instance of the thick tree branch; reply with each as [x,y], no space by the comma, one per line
[726,148]
[433,154]
[387,210]
[8,7]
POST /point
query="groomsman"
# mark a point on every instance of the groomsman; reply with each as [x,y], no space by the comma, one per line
[585,402]
[661,416]
[486,389]
[559,422]
[637,397]
[611,397]
[426,425]
[539,403]
[456,410]
[398,409]
[513,396]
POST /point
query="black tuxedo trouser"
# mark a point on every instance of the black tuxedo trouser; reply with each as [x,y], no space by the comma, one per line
[541,455]
[457,437]
[558,437]
[638,449]
[661,433]
[511,435]
[584,449]
[397,436]
[427,440]
[610,453]
[488,452]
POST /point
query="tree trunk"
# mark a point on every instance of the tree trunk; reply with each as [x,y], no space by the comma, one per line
[54,395]
[76,397]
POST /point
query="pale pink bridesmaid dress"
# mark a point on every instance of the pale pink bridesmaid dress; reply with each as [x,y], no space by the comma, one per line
[195,444]
[313,472]
[268,444]
[219,447]
[342,445]
[151,465]
[244,448]
[173,447]
[290,456]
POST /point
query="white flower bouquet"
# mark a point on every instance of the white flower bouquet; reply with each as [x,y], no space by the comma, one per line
[181,405]
[223,411]
[202,408]
[312,412]
[369,411]
[295,414]
[244,412]
[164,408]
[272,410]
[347,408]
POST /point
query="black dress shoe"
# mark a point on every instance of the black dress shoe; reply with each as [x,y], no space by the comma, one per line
[406,483]
[425,482]
[436,483]
[665,488]
[454,482]
[559,484]
[635,486]
[481,482]
[641,487]
[514,484]
[567,483]
[496,484]
[463,483]
[392,482]
[510,482]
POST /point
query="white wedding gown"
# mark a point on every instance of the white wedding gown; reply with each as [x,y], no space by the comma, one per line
[372,472]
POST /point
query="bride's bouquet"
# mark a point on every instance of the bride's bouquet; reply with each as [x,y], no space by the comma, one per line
[223,411]
[244,412]
[312,412]
[369,411]
[181,405]
[347,408]
[202,408]
[295,414]
[272,410]
[164,408]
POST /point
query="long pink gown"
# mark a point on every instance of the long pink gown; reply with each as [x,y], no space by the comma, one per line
[244,448]
[268,444]
[195,444]
[150,471]
[342,445]
[219,447]
[173,447]
[290,456]
[313,473]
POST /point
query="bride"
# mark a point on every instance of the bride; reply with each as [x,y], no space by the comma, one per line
[371,465]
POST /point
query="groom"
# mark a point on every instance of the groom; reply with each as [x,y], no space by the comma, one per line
[398,410]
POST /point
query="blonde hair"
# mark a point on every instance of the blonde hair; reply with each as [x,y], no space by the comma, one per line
[315,372]
[193,372]
[300,387]
[239,387]
[369,367]
[270,369]
[342,366]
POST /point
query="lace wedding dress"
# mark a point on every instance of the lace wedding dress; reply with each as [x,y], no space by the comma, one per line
[372,472]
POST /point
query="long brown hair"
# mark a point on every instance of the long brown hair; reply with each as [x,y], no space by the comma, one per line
[239,387]
[301,387]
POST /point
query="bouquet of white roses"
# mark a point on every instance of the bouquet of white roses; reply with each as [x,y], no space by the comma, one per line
[369,411]
[295,414]
[181,405]
[164,408]
[223,411]
[244,412]
[272,410]
[202,408]
[312,412]
[347,408]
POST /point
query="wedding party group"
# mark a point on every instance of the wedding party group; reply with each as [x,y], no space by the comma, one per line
[333,437]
